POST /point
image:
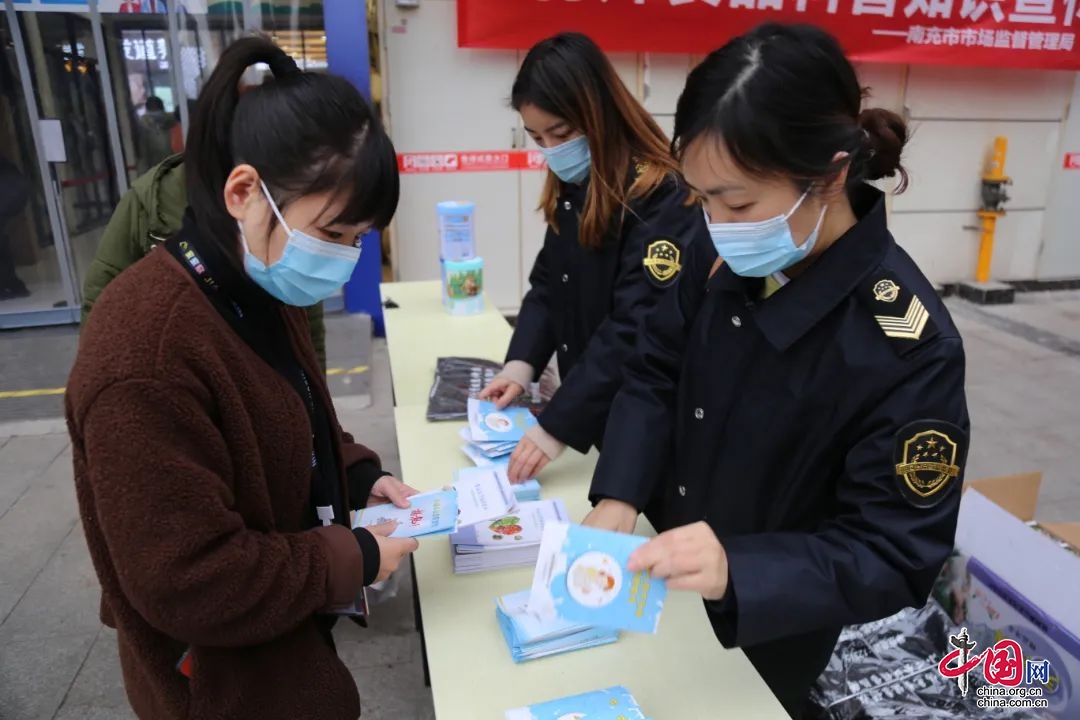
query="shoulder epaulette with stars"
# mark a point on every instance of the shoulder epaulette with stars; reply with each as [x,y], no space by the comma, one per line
[898,311]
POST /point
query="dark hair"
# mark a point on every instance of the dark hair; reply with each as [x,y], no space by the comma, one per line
[305,133]
[155,104]
[784,100]
[570,77]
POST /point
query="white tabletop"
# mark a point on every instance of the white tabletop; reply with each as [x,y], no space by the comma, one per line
[681,672]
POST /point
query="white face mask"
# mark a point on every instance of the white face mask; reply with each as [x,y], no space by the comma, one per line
[759,249]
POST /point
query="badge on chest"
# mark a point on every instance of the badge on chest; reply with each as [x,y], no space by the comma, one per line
[662,262]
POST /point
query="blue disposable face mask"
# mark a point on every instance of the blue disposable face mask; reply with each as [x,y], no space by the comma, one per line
[570,160]
[759,249]
[308,271]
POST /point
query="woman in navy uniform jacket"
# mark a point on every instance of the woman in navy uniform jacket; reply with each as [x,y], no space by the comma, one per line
[619,222]
[802,404]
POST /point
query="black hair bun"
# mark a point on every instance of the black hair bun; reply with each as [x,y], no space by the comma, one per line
[886,134]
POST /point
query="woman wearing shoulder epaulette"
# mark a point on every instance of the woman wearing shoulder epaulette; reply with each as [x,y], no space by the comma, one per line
[619,223]
[800,407]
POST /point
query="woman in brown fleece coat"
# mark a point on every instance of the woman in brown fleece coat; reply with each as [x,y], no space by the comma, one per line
[212,475]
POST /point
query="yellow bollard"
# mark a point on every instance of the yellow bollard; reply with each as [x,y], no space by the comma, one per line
[986,245]
[994,181]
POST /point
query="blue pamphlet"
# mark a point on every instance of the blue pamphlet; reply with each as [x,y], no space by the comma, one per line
[614,703]
[581,577]
[488,424]
[433,513]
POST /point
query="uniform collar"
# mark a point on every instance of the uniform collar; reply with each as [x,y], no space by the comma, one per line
[801,304]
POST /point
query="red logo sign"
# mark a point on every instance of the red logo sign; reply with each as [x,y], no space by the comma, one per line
[1072,161]
[473,161]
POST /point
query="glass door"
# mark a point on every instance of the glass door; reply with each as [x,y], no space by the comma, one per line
[36,283]
[144,72]
[68,80]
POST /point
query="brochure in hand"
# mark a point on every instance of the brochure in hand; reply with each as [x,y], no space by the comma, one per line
[509,541]
[432,513]
[581,577]
[488,424]
[529,637]
[614,703]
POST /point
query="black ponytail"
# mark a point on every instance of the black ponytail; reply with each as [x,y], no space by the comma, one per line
[305,133]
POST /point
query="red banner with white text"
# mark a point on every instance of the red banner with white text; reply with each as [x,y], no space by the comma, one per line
[992,33]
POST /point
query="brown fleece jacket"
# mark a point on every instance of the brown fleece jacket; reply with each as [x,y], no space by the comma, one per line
[193,473]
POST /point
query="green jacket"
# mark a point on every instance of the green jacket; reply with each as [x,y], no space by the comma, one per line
[148,214]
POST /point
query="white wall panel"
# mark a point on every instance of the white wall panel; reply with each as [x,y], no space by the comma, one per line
[497,228]
[946,160]
[627,65]
[533,226]
[946,251]
[987,93]
[1060,256]
[1017,238]
[938,243]
[442,97]
[664,77]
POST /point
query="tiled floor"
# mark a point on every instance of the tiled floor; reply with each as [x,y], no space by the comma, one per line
[56,661]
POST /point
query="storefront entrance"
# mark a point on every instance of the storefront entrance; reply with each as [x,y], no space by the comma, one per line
[92,94]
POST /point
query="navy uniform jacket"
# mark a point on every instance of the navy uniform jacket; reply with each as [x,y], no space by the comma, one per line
[586,304]
[820,433]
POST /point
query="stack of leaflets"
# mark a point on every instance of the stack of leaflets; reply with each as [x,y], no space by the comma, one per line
[459,378]
[508,541]
[493,434]
[529,637]
[615,703]
[487,454]
[581,577]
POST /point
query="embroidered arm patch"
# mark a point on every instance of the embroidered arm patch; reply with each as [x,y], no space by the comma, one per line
[927,456]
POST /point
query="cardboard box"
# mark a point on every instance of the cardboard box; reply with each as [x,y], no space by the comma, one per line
[1012,578]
